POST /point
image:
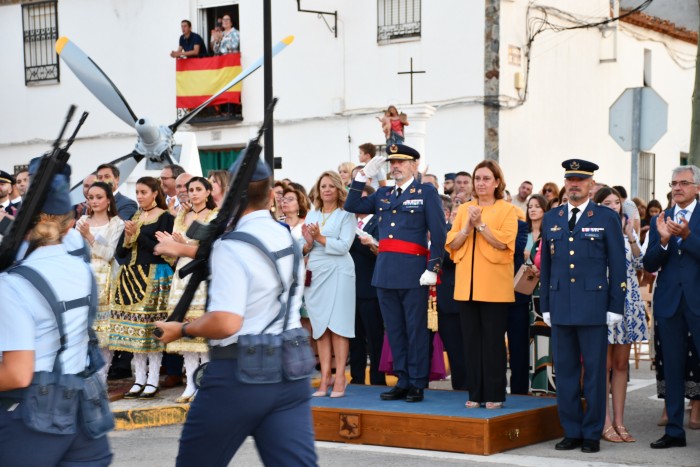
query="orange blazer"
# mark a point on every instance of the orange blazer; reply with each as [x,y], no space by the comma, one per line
[493,268]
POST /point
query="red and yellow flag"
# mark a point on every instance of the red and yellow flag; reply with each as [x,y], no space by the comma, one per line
[197,79]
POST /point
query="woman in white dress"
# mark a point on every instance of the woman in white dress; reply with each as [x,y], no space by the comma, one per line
[330,297]
[101,228]
[202,208]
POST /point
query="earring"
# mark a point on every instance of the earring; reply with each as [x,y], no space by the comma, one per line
[154,204]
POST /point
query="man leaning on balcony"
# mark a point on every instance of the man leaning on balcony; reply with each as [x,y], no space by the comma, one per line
[191,44]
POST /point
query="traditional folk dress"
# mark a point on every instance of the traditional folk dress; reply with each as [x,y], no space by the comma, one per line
[140,297]
[105,268]
[198,304]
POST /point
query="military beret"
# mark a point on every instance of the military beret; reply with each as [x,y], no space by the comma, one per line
[578,168]
[262,170]
[58,199]
[6,178]
[402,153]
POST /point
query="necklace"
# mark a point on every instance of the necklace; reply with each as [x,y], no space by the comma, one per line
[196,213]
[325,217]
[150,209]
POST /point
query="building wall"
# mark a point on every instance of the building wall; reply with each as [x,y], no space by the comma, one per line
[570,92]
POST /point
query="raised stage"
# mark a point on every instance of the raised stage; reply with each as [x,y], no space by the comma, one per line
[440,422]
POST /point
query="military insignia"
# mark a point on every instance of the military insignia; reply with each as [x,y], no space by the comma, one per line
[349,426]
[551,248]
[420,190]
[393,149]
[556,228]
[574,165]
[561,212]
[385,201]
[412,190]
[590,213]
[623,285]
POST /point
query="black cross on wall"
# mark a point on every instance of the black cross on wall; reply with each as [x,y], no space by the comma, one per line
[410,72]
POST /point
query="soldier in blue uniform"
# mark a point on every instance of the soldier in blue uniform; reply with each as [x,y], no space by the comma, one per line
[582,291]
[33,347]
[243,299]
[407,262]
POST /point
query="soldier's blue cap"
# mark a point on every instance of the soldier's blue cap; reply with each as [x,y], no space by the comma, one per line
[262,170]
[578,168]
[58,199]
[402,153]
[6,178]
[450,176]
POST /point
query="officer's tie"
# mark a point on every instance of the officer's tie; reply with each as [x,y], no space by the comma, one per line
[572,220]
[398,191]
[680,215]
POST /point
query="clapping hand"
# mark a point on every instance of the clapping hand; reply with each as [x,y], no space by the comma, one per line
[129,229]
[678,229]
[662,228]
[474,215]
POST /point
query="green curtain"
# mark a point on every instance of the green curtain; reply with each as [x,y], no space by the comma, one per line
[217,160]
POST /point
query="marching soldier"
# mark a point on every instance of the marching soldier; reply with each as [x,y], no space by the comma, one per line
[582,289]
[406,262]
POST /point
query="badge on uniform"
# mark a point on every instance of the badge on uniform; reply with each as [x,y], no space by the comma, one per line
[561,212]
[551,248]
[556,228]
[385,201]
[590,213]
[420,190]
[412,190]
[623,285]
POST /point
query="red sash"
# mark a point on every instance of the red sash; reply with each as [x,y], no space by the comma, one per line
[391,245]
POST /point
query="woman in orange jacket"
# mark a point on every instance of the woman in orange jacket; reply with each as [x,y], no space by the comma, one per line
[482,243]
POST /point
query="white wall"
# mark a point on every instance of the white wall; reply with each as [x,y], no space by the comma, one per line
[570,92]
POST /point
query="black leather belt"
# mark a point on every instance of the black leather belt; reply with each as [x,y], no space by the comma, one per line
[229,352]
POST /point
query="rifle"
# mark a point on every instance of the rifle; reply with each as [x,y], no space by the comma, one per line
[231,210]
[51,164]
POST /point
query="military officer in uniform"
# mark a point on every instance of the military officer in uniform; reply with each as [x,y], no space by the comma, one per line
[243,299]
[582,289]
[407,262]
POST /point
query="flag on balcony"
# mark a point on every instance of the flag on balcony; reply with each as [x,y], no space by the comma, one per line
[197,79]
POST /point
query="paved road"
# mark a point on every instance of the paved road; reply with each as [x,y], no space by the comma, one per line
[155,447]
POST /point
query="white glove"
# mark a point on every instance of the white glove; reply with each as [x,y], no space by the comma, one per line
[428,278]
[546,317]
[613,318]
[374,166]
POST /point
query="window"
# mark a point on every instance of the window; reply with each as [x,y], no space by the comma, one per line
[40,31]
[397,19]
[647,168]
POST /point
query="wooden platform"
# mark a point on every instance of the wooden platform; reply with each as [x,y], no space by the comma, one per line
[440,422]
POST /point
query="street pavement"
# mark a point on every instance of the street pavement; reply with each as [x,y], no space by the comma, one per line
[155,447]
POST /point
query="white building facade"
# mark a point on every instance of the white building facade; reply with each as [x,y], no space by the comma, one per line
[331,89]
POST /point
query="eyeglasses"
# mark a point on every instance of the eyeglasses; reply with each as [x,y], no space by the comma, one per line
[288,200]
[547,190]
[682,183]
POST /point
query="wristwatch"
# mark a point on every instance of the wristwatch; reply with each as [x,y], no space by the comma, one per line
[481,228]
[183,331]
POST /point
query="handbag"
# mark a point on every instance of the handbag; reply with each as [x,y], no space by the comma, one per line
[55,402]
[270,358]
[525,280]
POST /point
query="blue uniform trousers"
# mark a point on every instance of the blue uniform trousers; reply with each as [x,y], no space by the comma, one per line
[673,334]
[22,447]
[519,347]
[405,313]
[226,411]
[450,330]
[369,335]
[570,344]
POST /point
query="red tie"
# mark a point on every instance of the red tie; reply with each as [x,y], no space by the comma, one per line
[360,224]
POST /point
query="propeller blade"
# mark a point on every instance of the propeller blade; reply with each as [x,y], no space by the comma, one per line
[97,82]
[125,164]
[253,66]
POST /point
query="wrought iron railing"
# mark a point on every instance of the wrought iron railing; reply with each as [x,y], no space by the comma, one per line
[398,19]
[40,32]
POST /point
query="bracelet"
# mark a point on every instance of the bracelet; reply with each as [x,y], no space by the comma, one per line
[183,331]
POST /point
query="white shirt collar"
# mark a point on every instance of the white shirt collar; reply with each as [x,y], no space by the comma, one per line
[17,200]
[690,208]
[405,185]
[581,208]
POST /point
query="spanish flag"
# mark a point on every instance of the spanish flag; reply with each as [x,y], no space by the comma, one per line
[197,79]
